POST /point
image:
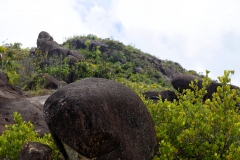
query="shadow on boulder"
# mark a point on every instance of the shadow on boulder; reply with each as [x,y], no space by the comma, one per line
[101,119]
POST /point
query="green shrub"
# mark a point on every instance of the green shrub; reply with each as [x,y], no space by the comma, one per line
[192,129]
[16,135]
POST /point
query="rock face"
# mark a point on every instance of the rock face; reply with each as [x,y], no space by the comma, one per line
[35,151]
[29,112]
[101,119]
[182,81]
[108,48]
[56,53]
[46,44]
[8,90]
[13,99]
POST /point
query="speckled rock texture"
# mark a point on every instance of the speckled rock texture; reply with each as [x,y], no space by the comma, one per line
[35,151]
[100,119]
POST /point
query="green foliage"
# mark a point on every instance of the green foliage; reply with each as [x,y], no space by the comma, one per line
[186,129]
[84,69]
[192,129]
[16,135]
[127,57]
[59,69]
[17,63]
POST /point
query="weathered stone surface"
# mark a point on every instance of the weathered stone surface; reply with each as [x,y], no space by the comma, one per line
[72,60]
[101,119]
[182,81]
[48,46]
[43,37]
[212,88]
[9,91]
[35,151]
[30,112]
[59,53]
[77,55]
[165,95]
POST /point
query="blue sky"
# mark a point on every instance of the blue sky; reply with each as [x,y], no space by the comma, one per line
[198,34]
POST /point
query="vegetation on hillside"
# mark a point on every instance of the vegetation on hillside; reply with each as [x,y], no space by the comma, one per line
[186,129]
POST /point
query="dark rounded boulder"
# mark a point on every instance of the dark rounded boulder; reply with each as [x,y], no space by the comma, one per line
[72,60]
[60,53]
[35,151]
[100,119]
[181,82]
[48,46]
[29,112]
[77,55]
[43,37]
[8,90]
[212,88]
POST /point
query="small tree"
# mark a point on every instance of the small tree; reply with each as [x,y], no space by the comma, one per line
[192,129]
[16,135]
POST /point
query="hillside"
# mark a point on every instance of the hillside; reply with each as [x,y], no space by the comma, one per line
[131,63]
[193,125]
[103,58]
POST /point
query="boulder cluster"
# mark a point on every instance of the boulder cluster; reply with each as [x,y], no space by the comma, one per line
[181,83]
[54,51]
[13,99]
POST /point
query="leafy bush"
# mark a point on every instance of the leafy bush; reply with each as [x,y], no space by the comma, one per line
[59,69]
[192,129]
[16,135]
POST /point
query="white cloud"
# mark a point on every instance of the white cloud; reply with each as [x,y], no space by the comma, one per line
[188,32]
[198,34]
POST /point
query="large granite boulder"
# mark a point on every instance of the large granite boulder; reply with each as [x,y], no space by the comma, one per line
[8,90]
[12,99]
[29,111]
[101,119]
[43,37]
[59,53]
[181,82]
[35,151]
[212,88]
[76,54]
